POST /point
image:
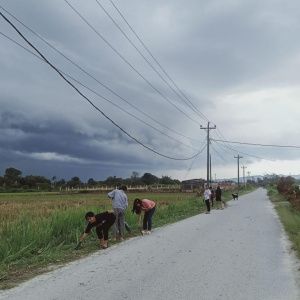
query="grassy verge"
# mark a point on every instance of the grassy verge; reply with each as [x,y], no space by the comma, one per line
[289,217]
[39,231]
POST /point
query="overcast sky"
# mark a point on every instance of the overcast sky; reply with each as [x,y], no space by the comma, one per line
[150,73]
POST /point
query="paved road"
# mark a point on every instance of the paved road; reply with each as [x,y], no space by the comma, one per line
[239,253]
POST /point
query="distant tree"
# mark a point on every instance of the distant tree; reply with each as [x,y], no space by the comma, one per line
[53,179]
[12,177]
[12,172]
[135,175]
[259,181]
[113,181]
[75,182]
[252,182]
[272,179]
[35,182]
[2,182]
[61,183]
[166,180]
[149,179]
[285,184]
[92,183]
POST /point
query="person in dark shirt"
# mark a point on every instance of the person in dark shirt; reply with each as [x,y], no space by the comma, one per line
[219,197]
[102,222]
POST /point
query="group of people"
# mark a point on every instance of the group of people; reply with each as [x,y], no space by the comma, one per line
[210,194]
[116,217]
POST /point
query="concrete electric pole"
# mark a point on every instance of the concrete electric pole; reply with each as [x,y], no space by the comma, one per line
[243,167]
[238,157]
[207,129]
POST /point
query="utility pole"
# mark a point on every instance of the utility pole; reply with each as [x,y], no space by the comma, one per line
[207,129]
[249,175]
[243,167]
[210,170]
[238,157]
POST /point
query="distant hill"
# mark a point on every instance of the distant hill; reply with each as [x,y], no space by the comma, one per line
[254,177]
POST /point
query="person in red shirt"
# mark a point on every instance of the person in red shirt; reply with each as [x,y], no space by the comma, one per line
[148,207]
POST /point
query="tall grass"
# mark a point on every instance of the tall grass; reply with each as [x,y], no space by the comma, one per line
[291,222]
[31,235]
[40,228]
[289,218]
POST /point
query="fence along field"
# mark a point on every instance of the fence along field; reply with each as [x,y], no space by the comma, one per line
[38,229]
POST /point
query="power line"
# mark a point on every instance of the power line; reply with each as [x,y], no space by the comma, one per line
[218,153]
[243,152]
[263,145]
[104,98]
[129,64]
[91,76]
[77,90]
[193,162]
[201,115]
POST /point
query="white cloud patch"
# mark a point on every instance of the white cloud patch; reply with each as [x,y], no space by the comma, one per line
[47,156]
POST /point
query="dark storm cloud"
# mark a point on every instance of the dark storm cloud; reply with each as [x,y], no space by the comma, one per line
[236,61]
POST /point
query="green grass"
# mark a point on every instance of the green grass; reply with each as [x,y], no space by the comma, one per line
[39,230]
[289,218]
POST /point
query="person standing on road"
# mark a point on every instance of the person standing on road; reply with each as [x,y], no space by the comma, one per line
[148,207]
[102,222]
[119,203]
[219,197]
[207,194]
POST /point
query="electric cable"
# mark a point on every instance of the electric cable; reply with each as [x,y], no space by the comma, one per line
[247,153]
[218,153]
[201,114]
[147,60]
[91,76]
[263,145]
[104,98]
[128,63]
[90,102]
[193,162]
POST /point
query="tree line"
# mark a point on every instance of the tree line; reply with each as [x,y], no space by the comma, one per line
[13,181]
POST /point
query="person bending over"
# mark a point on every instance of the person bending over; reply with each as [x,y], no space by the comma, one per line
[119,203]
[102,222]
[148,207]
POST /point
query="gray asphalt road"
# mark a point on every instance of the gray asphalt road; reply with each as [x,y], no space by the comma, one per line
[237,253]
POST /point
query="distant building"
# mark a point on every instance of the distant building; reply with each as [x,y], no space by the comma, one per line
[193,183]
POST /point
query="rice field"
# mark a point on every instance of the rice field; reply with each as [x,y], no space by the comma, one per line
[40,229]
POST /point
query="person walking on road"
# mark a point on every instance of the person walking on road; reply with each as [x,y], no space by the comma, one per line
[207,194]
[102,222]
[148,207]
[119,203]
[219,197]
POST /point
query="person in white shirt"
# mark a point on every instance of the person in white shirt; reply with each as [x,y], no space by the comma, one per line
[207,194]
[119,203]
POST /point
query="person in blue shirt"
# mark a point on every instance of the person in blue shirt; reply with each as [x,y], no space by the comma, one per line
[119,203]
